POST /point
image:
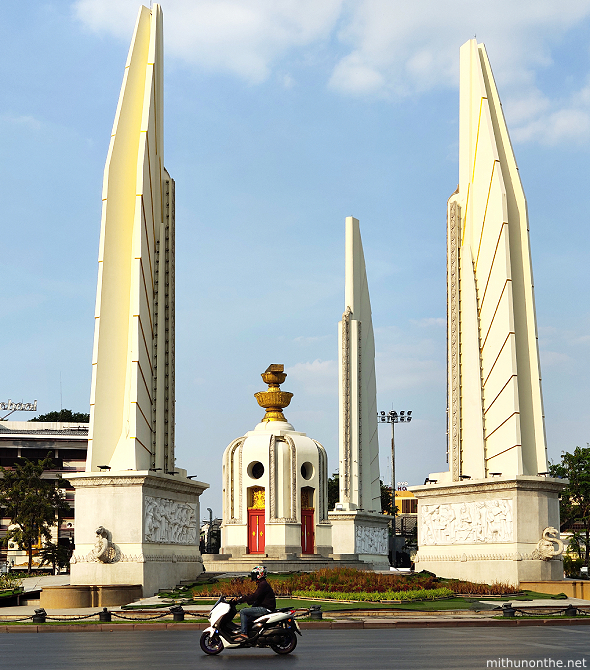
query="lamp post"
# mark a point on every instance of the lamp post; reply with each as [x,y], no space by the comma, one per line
[394,417]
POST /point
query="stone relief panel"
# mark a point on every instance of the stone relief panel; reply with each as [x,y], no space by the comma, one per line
[484,521]
[169,521]
[371,540]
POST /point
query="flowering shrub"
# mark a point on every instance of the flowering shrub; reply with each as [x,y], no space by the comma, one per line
[357,581]
[354,583]
[495,589]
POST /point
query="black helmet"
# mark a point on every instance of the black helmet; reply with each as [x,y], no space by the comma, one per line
[258,573]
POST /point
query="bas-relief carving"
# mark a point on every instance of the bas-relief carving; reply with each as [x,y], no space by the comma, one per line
[293,462]
[273,518]
[359,384]
[346,465]
[453,335]
[141,558]
[466,523]
[272,482]
[322,479]
[169,521]
[230,484]
[371,540]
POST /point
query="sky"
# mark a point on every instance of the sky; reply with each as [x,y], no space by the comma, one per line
[282,117]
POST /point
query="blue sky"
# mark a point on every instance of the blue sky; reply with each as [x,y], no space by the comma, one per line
[281,119]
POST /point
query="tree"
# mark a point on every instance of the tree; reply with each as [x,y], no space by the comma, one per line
[333,490]
[56,555]
[386,502]
[64,415]
[334,494]
[31,502]
[574,504]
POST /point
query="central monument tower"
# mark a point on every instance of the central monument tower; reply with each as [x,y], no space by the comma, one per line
[275,490]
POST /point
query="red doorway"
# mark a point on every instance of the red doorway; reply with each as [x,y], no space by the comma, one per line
[255,531]
[307,532]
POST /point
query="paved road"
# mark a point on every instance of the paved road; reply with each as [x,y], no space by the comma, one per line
[409,649]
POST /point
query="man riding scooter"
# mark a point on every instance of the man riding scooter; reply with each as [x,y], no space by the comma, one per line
[262,600]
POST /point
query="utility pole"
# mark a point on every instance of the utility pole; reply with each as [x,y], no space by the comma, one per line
[394,417]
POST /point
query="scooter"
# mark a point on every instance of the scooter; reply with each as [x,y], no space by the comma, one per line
[276,630]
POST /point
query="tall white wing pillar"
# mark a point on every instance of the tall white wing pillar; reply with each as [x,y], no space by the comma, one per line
[359,446]
[132,396]
[496,420]
[145,509]
[490,517]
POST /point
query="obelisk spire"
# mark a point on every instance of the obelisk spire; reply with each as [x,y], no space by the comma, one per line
[358,443]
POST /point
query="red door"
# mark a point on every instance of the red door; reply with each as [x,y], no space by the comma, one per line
[307,532]
[256,531]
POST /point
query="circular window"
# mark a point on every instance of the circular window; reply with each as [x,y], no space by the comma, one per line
[256,470]
[307,470]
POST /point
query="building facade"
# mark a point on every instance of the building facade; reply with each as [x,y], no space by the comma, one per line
[67,445]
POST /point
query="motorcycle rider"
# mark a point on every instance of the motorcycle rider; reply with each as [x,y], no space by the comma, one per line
[262,600]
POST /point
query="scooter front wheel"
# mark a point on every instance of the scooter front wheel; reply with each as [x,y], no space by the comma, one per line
[211,643]
[286,645]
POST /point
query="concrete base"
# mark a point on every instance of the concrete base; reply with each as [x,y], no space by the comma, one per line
[364,534]
[306,563]
[489,530]
[571,587]
[71,597]
[151,522]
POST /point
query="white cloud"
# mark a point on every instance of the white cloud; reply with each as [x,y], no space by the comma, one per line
[550,358]
[564,125]
[25,121]
[317,377]
[388,48]
[430,322]
[407,360]
[243,37]
[399,49]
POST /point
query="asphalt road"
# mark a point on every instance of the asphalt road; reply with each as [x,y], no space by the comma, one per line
[407,649]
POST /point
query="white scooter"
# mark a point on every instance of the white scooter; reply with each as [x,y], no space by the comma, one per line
[276,630]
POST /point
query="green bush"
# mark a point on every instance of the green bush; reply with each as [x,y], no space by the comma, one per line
[417,594]
[571,565]
[10,582]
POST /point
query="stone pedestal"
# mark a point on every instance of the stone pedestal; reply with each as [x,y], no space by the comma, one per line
[136,527]
[362,535]
[492,530]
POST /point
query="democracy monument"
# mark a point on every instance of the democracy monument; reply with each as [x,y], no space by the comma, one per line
[491,517]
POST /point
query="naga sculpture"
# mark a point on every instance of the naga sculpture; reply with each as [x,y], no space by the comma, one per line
[549,546]
[104,550]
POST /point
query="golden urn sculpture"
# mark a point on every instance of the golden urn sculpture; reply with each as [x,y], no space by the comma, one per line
[273,399]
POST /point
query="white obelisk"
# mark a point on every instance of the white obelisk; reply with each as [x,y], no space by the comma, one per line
[497,451]
[358,527]
[147,508]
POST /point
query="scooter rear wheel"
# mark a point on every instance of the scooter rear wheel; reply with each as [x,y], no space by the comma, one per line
[211,643]
[286,645]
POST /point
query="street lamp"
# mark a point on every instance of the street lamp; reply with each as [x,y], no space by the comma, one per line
[393,417]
